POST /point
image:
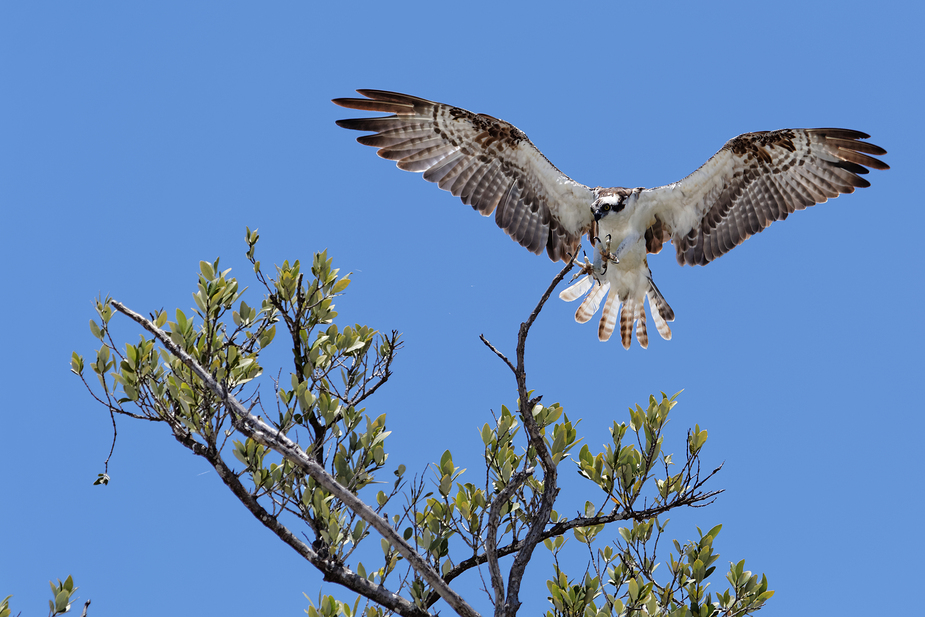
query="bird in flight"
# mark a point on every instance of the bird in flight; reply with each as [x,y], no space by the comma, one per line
[754,180]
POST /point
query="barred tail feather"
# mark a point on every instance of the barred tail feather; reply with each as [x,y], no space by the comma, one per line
[641,334]
[627,318]
[661,312]
[591,303]
[573,292]
[608,318]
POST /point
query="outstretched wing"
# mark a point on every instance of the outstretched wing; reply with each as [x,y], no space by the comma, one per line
[754,180]
[489,163]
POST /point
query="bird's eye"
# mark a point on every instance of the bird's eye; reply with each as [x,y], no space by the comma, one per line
[606,208]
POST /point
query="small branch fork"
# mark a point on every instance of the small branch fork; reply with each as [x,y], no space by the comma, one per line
[262,433]
[509,604]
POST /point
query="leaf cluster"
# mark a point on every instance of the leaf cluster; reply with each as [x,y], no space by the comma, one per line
[62,597]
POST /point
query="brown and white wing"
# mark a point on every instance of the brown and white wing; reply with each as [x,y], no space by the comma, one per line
[754,180]
[488,163]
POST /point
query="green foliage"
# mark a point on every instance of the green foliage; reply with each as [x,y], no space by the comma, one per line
[334,369]
[62,594]
[329,606]
[446,519]
[638,593]
[634,472]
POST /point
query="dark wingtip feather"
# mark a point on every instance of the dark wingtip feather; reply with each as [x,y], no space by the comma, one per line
[391,97]
[354,124]
[842,133]
[344,102]
[855,150]
[373,105]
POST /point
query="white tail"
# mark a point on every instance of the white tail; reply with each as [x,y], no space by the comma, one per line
[632,313]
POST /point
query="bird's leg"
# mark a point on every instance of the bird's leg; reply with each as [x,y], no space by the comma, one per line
[628,242]
[602,256]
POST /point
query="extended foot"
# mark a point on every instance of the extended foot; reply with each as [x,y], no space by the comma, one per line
[585,267]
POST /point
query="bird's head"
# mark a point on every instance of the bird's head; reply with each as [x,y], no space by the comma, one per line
[612,201]
[608,205]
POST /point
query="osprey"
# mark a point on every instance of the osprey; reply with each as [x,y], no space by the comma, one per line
[754,180]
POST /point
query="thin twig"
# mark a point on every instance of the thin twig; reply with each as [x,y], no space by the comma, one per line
[498,353]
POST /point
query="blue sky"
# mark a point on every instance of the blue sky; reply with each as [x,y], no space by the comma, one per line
[137,140]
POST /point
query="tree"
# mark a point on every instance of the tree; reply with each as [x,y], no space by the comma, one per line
[308,459]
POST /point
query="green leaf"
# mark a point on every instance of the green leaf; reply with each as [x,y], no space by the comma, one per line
[61,601]
[207,271]
[446,463]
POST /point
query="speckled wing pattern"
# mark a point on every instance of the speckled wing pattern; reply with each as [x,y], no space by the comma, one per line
[754,180]
[488,163]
